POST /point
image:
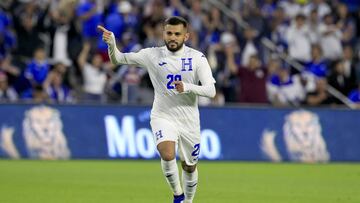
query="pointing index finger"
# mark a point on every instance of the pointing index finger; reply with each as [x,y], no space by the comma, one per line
[102,29]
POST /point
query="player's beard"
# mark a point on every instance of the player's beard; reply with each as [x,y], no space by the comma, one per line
[174,48]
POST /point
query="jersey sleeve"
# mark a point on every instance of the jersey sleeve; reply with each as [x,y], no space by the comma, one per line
[132,58]
[204,71]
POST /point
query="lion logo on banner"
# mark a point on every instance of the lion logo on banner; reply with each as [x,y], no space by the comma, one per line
[303,139]
[42,131]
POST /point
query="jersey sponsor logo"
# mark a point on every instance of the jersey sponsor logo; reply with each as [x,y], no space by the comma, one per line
[186,64]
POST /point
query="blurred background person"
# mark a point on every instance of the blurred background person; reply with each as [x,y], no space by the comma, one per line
[90,13]
[94,75]
[37,95]
[315,68]
[339,80]
[7,93]
[298,39]
[354,95]
[346,24]
[320,96]
[253,79]
[284,89]
[57,90]
[330,38]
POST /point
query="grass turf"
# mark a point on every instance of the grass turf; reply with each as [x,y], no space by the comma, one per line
[142,182]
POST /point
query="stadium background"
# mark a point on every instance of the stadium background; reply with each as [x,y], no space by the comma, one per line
[288,86]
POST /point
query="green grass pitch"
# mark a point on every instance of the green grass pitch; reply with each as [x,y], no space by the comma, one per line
[142,182]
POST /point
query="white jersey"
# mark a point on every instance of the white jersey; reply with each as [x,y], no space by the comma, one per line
[164,67]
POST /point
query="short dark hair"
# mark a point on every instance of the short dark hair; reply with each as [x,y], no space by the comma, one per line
[176,20]
[300,16]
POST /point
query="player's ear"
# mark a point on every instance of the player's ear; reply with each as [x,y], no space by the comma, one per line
[187,35]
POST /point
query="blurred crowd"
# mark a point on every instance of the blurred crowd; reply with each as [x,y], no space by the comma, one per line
[51,51]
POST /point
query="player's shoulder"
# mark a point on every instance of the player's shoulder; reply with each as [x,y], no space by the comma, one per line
[154,48]
[152,51]
[195,53]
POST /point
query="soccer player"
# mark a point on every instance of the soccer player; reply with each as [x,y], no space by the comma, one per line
[175,71]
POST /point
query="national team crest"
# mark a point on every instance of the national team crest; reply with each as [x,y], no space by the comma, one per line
[186,64]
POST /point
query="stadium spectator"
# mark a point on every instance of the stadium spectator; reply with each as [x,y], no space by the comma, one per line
[357,21]
[278,26]
[284,89]
[154,36]
[298,39]
[225,62]
[7,93]
[253,79]
[38,69]
[248,46]
[89,12]
[37,94]
[196,17]
[291,7]
[346,24]
[62,68]
[130,78]
[349,63]
[56,89]
[252,15]
[94,75]
[339,80]
[65,39]
[7,38]
[316,68]
[320,96]
[9,69]
[175,8]
[154,12]
[330,38]
[123,20]
[357,66]
[320,5]
[214,27]
[354,96]
[268,8]
[213,21]
[29,26]
[314,24]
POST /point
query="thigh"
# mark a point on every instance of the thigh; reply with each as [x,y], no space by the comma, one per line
[164,130]
[189,145]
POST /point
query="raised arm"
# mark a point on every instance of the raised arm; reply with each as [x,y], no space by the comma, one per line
[117,57]
[83,55]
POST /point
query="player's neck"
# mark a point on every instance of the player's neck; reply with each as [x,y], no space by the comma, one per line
[178,52]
